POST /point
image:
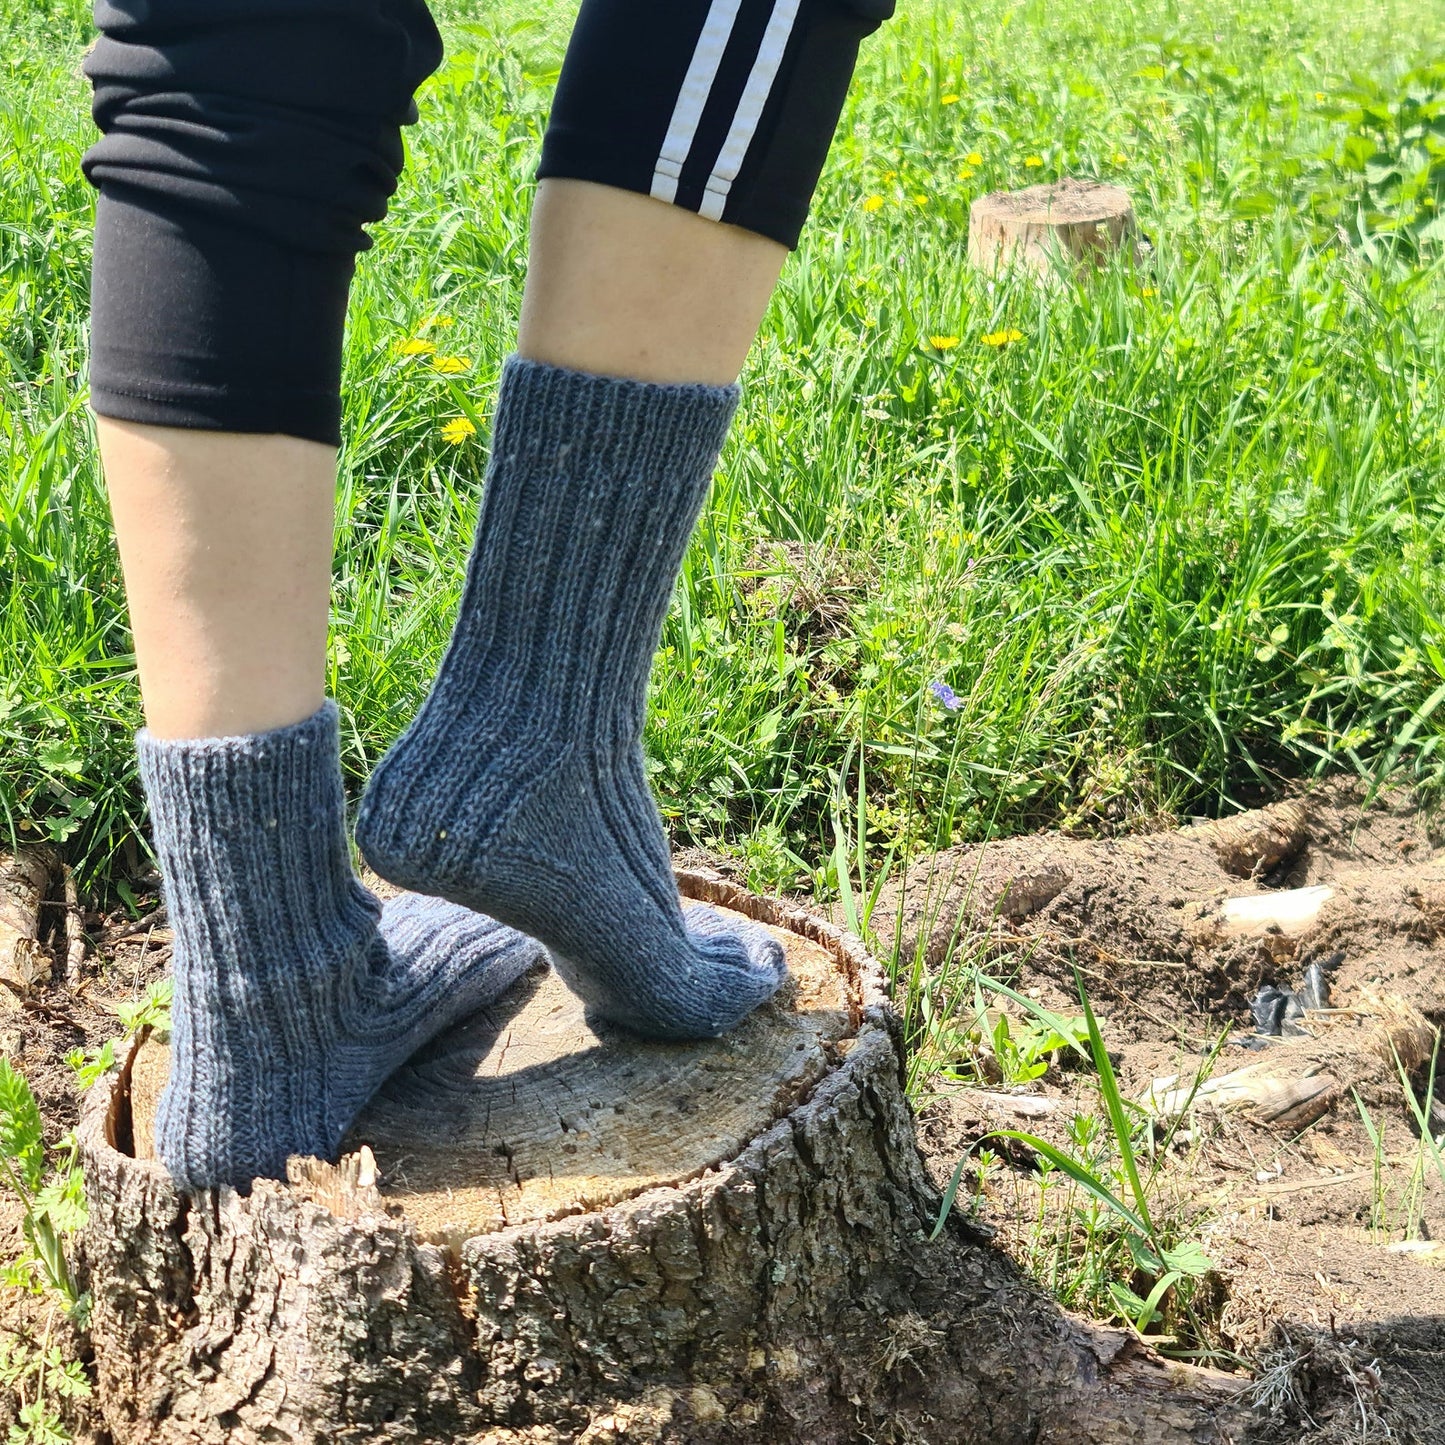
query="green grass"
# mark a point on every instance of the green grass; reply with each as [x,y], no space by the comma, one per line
[1179,540]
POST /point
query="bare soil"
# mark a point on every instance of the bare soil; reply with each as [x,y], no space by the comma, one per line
[1340,1312]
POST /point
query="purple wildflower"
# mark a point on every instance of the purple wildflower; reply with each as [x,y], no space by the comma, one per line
[946,695]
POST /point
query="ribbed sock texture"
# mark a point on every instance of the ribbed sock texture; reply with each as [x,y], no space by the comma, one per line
[520,788]
[296,991]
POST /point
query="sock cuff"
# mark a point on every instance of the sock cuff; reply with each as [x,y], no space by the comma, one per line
[282,781]
[302,738]
[574,421]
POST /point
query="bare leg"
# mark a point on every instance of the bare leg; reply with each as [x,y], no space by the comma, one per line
[622,285]
[225,539]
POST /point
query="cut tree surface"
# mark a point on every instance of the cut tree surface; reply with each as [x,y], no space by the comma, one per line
[525,1114]
[1070,220]
[580,1236]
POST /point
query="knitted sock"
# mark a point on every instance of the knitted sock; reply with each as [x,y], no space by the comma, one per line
[520,787]
[296,991]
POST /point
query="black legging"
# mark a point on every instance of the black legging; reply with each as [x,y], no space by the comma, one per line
[245,144]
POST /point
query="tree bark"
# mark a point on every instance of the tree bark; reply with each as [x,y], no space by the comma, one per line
[24,882]
[586,1237]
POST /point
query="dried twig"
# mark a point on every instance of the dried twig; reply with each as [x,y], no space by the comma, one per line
[25,1000]
[74,928]
[139,925]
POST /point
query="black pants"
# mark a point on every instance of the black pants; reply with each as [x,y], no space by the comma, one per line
[246,143]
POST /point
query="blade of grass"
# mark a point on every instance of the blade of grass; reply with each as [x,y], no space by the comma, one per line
[1114,1105]
[1085,1178]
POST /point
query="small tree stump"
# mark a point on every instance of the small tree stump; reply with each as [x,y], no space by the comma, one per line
[585,1237]
[1070,220]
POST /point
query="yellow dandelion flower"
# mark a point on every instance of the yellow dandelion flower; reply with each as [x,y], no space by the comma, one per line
[974,158]
[948,100]
[457,430]
[966,173]
[873,203]
[451,365]
[1001,338]
[943,343]
[889,176]
[1319,95]
[1119,158]
[438,320]
[1148,291]
[415,346]
[920,200]
[1033,162]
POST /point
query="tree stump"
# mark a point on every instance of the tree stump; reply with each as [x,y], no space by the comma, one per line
[544,1233]
[1071,221]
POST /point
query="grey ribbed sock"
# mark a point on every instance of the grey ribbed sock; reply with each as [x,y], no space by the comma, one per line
[296,992]
[520,787]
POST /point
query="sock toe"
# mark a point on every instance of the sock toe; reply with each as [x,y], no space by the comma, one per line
[747,965]
[752,949]
[451,960]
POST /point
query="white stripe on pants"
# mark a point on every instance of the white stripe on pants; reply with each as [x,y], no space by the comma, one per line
[750,108]
[697,85]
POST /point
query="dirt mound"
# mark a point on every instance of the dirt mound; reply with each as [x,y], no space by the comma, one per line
[1326,1277]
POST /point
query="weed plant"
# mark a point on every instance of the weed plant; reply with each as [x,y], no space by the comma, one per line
[48,1185]
[50,1192]
[1104,1231]
[1404,1217]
